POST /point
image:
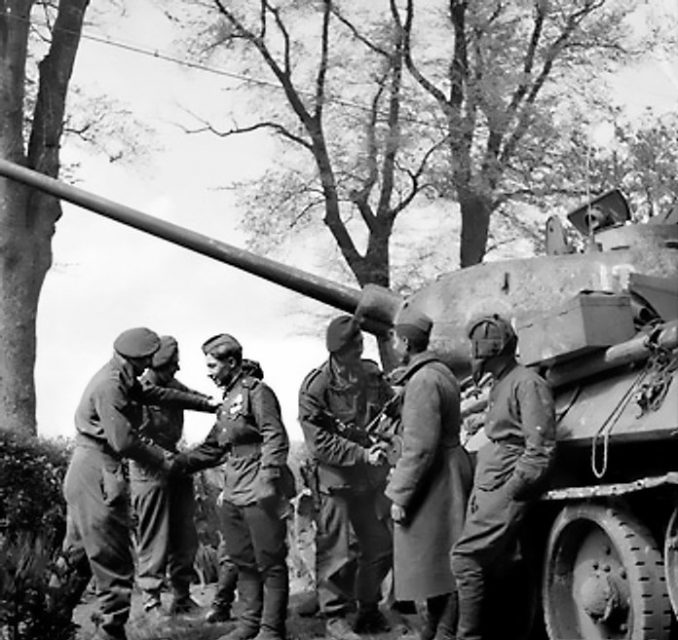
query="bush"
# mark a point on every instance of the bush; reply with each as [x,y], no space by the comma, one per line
[32,525]
[29,603]
[31,476]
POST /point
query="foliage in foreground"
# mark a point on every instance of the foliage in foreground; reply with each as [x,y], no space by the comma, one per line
[32,523]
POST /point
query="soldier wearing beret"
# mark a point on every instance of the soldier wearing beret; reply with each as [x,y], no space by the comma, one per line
[250,441]
[431,481]
[167,539]
[510,469]
[96,490]
[336,402]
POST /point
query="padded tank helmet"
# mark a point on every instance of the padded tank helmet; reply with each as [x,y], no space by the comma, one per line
[491,336]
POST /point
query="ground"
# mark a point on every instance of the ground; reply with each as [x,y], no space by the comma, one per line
[174,628]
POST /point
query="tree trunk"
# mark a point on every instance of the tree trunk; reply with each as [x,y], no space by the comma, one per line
[24,259]
[27,217]
[475,224]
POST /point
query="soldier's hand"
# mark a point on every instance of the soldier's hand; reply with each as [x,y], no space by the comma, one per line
[376,454]
[397,513]
[474,423]
[214,403]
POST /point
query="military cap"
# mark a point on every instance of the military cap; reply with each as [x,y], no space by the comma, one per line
[221,345]
[341,332]
[491,335]
[411,321]
[166,353]
[139,342]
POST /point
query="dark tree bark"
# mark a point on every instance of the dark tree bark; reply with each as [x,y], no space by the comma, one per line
[27,217]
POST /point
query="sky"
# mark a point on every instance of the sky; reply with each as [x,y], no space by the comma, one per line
[108,277]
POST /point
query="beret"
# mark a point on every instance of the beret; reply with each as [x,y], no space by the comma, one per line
[341,332]
[411,320]
[220,345]
[139,342]
[166,353]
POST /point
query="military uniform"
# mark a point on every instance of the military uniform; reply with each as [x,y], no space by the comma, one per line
[251,441]
[510,471]
[95,486]
[167,539]
[431,479]
[351,493]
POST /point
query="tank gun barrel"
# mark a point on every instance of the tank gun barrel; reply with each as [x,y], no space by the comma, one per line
[336,295]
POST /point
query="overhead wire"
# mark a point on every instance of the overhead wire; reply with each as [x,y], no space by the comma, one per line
[199,66]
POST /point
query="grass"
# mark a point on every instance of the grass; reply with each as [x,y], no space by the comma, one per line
[195,628]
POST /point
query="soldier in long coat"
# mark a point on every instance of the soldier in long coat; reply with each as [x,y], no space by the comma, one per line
[96,490]
[431,481]
[511,468]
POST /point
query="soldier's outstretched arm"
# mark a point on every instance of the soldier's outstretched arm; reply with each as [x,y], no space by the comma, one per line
[148,393]
[209,453]
[111,403]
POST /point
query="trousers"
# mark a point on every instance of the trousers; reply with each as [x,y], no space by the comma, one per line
[97,500]
[340,514]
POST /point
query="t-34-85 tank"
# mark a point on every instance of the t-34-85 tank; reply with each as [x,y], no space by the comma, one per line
[602,326]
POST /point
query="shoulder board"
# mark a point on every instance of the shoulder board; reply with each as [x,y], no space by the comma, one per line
[312,376]
[249,382]
[115,375]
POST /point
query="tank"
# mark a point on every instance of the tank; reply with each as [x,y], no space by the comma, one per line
[600,557]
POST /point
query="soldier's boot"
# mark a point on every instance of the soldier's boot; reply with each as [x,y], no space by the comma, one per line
[370,619]
[470,595]
[220,609]
[250,592]
[309,606]
[276,597]
[434,611]
[447,625]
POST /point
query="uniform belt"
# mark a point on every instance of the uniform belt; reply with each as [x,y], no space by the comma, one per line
[246,449]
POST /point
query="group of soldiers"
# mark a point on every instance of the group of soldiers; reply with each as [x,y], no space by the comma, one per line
[423,515]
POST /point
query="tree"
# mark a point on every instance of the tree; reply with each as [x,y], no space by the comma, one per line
[331,92]
[28,217]
[503,88]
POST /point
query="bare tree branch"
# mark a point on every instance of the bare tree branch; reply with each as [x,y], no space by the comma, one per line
[322,66]
[357,35]
[275,126]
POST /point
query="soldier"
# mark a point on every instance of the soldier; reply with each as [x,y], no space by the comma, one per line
[336,403]
[224,594]
[95,486]
[511,467]
[250,440]
[431,481]
[167,539]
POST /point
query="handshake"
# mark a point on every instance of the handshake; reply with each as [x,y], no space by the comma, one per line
[172,464]
[377,454]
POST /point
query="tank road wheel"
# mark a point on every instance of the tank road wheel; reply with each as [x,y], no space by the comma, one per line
[671,559]
[603,578]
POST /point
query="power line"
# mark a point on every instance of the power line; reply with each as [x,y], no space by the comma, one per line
[155,54]
[165,57]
